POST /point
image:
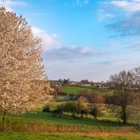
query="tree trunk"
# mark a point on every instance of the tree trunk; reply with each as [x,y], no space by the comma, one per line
[4,120]
[95,116]
[124,115]
[81,115]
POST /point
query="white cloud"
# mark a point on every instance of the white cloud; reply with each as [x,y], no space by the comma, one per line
[135,46]
[126,15]
[136,0]
[129,26]
[127,6]
[103,16]
[49,41]
[9,4]
[84,69]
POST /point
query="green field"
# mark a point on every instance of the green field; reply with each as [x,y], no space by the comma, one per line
[76,90]
[34,136]
[38,125]
[45,117]
[69,89]
[42,126]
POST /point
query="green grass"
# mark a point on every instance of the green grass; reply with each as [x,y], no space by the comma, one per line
[76,90]
[66,128]
[70,89]
[33,136]
[47,118]
[110,92]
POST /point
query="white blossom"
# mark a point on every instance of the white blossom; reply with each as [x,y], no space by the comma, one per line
[23,83]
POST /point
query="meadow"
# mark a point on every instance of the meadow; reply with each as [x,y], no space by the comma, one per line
[44,136]
[77,89]
[40,125]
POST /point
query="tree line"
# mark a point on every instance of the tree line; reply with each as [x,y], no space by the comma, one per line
[124,100]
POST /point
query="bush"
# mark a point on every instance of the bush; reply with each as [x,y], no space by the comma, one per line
[92,97]
[46,109]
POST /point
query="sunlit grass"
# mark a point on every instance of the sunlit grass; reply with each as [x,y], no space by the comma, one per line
[76,90]
[41,136]
[48,118]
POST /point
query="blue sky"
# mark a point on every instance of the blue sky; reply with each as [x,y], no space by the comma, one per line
[84,39]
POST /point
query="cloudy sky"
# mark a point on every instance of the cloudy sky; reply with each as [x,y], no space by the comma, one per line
[84,39]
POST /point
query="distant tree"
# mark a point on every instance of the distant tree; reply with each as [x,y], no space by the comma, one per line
[136,97]
[82,104]
[60,80]
[66,81]
[59,110]
[71,94]
[57,88]
[92,96]
[21,71]
[46,109]
[84,112]
[83,82]
[95,112]
[122,84]
[136,87]
[70,108]
[74,108]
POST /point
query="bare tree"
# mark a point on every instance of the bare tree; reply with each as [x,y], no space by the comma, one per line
[122,84]
[136,83]
[92,96]
[95,112]
[136,98]
[20,66]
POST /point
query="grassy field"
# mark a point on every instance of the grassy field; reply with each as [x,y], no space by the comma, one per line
[69,89]
[34,136]
[38,125]
[45,122]
[42,126]
[76,90]
[66,120]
